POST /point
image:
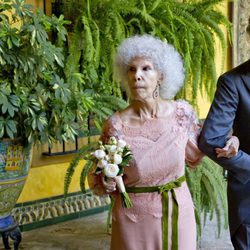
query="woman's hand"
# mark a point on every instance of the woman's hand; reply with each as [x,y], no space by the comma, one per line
[231,148]
[109,184]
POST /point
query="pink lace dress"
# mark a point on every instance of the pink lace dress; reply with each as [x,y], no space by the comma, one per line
[160,147]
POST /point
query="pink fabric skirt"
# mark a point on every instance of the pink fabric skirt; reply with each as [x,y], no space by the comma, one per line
[147,233]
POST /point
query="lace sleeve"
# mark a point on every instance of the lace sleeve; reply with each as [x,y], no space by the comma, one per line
[188,118]
[193,154]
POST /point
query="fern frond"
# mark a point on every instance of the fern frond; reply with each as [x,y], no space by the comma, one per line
[97,43]
[134,26]
[114,101]
[74,50]
[98,124]
[88,46]
[84,174]
[154,6]
[218,17]
[74,163]
[206,5]
[217,30]
[208,188]
[118,28]
[209,54]
[98,113]
[146,16]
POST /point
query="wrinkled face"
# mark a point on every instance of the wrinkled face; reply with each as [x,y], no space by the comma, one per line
[142,78]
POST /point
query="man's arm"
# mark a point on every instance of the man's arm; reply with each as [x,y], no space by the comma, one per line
[217,127]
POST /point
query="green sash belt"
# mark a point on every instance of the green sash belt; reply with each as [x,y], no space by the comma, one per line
[163,190]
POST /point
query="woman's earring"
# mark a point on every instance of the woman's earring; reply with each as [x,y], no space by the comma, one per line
[156,91]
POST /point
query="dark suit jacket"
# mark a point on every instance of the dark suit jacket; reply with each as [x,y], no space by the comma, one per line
[231,110]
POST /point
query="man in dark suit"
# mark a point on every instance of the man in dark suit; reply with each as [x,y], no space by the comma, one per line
[230,111]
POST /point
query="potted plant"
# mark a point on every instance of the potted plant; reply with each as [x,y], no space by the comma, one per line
[37,105]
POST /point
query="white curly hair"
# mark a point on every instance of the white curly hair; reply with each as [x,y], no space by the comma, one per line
[164,57]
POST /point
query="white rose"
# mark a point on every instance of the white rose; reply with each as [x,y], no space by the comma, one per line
[121,143]
[117,159]
[113,149]
[111,170]
[99,154]
[102,163]
[112,140]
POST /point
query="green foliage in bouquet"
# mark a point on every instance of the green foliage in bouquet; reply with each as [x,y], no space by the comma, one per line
[208,188]
[127,157]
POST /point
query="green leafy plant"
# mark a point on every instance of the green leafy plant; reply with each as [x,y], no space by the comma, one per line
[81,154]
[208,188]
[35,102]
[191,26]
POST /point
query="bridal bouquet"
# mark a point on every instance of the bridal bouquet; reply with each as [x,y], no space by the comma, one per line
[111,158]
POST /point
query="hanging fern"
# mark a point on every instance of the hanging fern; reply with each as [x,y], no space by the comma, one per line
[84,174]
[189,26]
[74,163]
[208,188]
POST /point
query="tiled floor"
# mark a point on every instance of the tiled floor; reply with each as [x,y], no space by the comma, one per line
[89,233]
[210,240]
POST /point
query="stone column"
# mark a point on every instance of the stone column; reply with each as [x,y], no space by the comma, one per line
[241,31]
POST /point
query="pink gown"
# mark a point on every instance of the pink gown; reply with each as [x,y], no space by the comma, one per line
[160,148]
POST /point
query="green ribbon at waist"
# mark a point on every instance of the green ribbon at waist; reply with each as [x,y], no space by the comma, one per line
[163,190]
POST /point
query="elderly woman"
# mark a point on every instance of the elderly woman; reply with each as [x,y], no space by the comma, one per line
[162,134]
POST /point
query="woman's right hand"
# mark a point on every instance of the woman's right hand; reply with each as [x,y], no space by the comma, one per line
[109,184]
[231,148]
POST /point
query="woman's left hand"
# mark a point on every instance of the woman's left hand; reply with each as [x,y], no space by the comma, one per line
[231,148]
